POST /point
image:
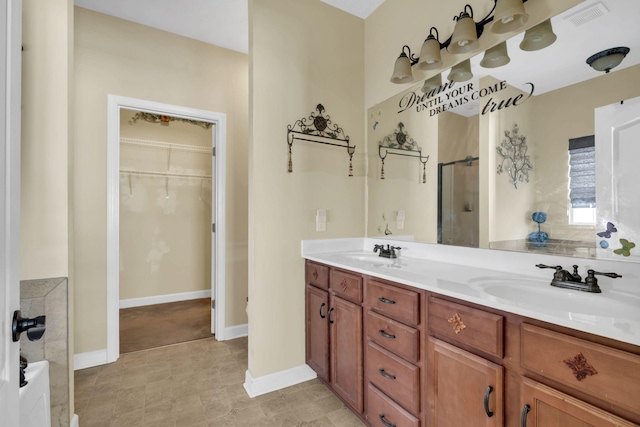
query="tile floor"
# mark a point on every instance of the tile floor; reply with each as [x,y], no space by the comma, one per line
[198,383]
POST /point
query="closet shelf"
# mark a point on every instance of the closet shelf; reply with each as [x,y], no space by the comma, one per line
[166,145]
[163,174]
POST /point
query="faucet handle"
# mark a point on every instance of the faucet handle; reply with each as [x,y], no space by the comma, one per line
[592,273]
[555,267]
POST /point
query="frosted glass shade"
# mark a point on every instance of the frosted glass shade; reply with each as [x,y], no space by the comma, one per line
[402,70]
[465,37]
[509,16]
[538,37]
[434,83]
[496,56]
[430,58]
[607,59]
[461,72]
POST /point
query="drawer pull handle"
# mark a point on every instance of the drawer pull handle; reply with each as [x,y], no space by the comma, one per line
[523,417]
[385,422]
[329,314]
[387,376]
[486,402]
[322,316]
[386,335]
[386,301]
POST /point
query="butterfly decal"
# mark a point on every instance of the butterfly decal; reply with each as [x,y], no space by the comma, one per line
[625,250]
[607,233]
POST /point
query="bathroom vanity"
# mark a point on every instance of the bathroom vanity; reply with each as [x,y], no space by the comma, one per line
[424,341]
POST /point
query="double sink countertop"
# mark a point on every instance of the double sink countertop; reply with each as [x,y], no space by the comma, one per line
[482,277]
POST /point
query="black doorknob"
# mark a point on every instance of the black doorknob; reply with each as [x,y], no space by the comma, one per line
[34,327]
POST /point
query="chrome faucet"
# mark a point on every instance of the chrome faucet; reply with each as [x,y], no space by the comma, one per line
[389,252]
[563,279]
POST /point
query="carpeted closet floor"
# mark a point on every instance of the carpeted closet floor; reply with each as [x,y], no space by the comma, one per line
[152,326]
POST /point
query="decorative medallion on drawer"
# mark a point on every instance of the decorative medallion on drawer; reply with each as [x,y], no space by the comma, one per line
[580,367]
[456,323]
[344,285]
[315,273]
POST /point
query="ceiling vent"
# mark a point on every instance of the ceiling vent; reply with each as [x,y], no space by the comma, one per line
[589,14]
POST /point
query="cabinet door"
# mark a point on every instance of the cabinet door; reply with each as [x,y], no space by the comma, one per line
[346,351]
[546,407]
[463,389]
[317,328]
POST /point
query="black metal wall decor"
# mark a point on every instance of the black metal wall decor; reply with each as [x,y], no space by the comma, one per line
[399,143]
[319,128]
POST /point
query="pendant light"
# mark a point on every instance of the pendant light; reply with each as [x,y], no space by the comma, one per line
[402,70]
[461,72]
[538,37]
[509,16]
[607,59]
[465,36]
[430,58]
[496,56]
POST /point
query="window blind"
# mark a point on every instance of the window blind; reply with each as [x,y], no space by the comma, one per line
[582,172]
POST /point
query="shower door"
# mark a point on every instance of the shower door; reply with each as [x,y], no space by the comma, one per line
[458,190]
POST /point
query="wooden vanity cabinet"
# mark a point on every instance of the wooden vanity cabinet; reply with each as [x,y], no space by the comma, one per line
[334,330]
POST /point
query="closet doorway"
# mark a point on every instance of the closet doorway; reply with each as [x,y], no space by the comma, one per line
[166,216]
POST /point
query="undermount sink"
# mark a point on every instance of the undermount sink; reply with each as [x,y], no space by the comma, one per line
[369,258]
[534,293]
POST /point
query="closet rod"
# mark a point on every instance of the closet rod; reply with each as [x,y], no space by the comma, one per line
[165,145]
[164,174]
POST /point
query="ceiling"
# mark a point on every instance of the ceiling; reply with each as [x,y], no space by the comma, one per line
[219,22]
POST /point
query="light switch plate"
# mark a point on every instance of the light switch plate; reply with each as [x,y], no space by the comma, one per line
[321,220]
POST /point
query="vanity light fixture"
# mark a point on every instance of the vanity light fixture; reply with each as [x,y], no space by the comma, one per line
[538,37]
[464,39]
[465,36]
[509,16]
[461,72]
[430,57]
[496,56]
[607,59]
[432,84]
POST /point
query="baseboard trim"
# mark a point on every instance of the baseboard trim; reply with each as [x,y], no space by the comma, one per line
[237,331]
[278,380]
[75,422]
[89,359]
[162,299]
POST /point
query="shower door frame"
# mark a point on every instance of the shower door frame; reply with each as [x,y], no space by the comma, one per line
[440,166]
[114,104]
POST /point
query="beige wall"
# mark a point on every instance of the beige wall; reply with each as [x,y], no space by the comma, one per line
[118,57]
[165,223]
[302,54]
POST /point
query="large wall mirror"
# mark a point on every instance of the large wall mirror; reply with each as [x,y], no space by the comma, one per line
[503,158]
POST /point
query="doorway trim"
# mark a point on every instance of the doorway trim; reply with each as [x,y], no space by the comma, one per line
[114,104]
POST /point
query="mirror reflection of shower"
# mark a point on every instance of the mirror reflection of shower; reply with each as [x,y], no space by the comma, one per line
[458,190]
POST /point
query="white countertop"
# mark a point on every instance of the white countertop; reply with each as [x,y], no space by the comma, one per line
[461,273]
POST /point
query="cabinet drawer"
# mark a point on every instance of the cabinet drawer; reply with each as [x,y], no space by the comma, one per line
[346,285]
[392,301]
[605,373]
[396,337]
[465,325]
[383,412]
[396,377]
[317,275]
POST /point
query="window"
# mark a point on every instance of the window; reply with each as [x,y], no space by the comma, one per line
[582,180]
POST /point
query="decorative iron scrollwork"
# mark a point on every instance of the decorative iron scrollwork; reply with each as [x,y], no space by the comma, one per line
[319,128]
[399,143]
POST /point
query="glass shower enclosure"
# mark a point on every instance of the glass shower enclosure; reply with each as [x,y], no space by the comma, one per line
[458,189]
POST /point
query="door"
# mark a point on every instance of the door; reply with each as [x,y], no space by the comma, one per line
[10,68]
[463,389]
[317,307]
[546,407]
[214,258]
[617,201]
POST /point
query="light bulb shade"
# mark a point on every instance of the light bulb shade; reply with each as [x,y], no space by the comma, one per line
[402,70]
[430,58]
[465,37]
[496,56]
[432,84]
[607,59]
[509,16]
[538,37]
[461,72]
